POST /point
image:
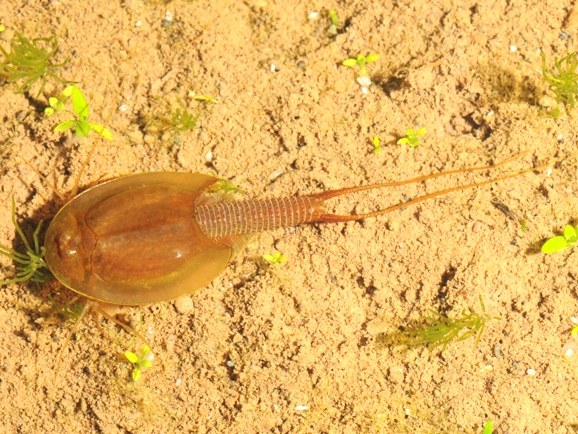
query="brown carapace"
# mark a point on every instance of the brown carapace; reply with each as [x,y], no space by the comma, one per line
[158,236]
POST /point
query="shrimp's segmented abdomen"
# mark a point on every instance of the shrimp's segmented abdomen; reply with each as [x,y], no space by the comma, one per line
[227,218]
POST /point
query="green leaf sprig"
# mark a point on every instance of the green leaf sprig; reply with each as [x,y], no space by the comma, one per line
[139,361]
[275,259]
[412,137]
[376,145]
[361,61]
[80,125]
[561,242]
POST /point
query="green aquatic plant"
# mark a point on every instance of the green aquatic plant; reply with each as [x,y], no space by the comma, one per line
[225,187]
[72,310]
[30,62]
[32,262]
[183,120]
[170,121]
[444,330]
[80,125]
[139,361]
[412,137]
[361,61]
[562,79]
[561,242]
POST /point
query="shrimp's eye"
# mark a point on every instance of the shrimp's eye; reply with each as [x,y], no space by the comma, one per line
[68,245]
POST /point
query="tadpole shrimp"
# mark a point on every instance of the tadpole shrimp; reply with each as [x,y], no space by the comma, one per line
[157,236]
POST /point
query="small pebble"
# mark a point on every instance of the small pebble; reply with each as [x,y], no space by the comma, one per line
[313,15]
[178,382]
[364,80]
[276,174]
[123,108]
[513,48]
[138,23]
[209,156]
[184,305]
[569,352]
[531,371]
[407,412]
[230,364]
[574,320]
[301,407]
[497,351]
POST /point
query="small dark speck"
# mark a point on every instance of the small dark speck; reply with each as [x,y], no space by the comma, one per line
[563,36]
